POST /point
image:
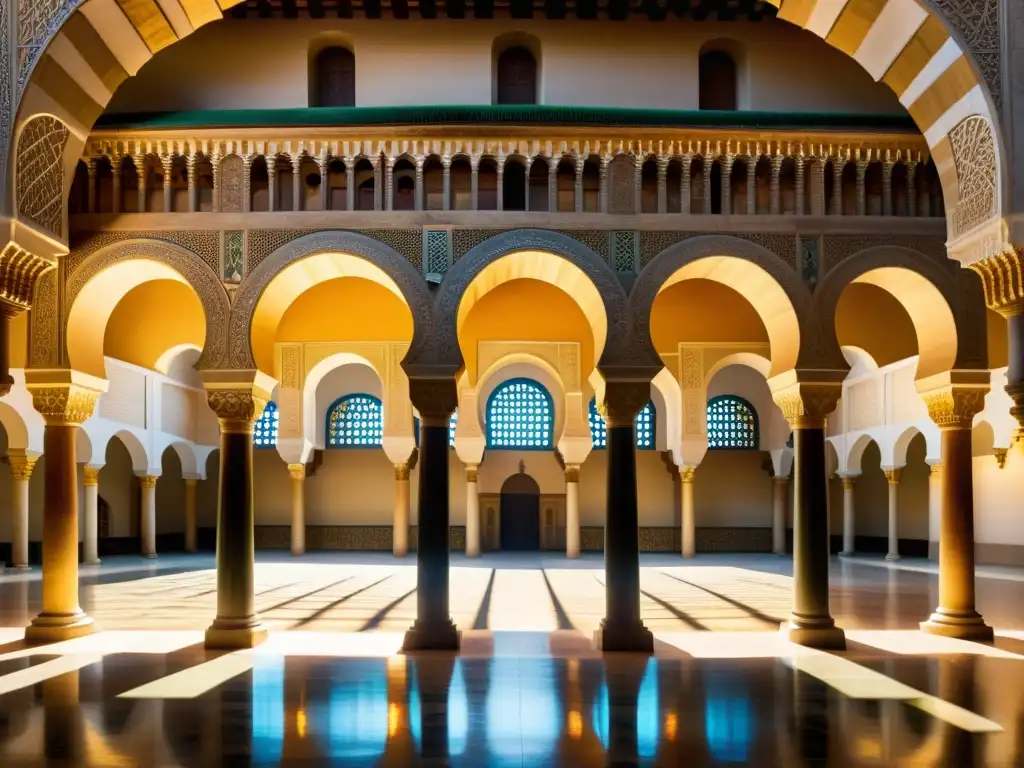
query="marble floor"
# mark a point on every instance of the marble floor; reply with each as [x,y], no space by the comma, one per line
[330,688]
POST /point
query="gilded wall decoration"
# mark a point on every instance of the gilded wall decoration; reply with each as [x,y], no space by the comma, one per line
[40,173]
[44,321]
[978,23]
[204,280]
[622,185]
[231,184]
[838,248]
[974,152]
[443,346]
[205,244]
[407,277]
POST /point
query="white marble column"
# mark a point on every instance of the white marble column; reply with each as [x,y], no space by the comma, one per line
[191,486]
[848,514]
[472,513]
[90,515]
[297,472]
[148,485]
[780,508]
[400,536]
[21,474]
[689,525]
[893,478]
[572,511]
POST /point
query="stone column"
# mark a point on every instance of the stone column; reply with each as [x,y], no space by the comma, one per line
[799,201]
[65,399]
[662,185]
[350,183]
[780,506]
[246,183]
[953,409]
[684,184]
[418,201]
[435,399]
[752,184]
[140,172]
[168,164]
[708,162]
[191,486]
[500,188]
[638,180]
[838,165]
[606,160]
[237,625]
[474,182]
[622,629]
[446,170]
[378,187]
[193,187]
[271,182]
[92,186]
[892,476]
[911,188]
[577,190]
[887,188]
[400,536]
[862,195]
[688,524]
[472,513]
[297,472]
[297,183]
[572,511]
[775,201]
[116,168]
[147,483]
[324,164]
[552,185]
[90,511]
[805,406]
[21,474]
[389,183]
[849,515]
[727,163]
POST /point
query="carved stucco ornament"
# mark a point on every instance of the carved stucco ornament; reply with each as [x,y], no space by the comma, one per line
[954,399]
[64,398]
[1002,277]
[807,398]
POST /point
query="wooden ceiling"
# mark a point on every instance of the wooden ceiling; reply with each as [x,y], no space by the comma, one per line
[655,10]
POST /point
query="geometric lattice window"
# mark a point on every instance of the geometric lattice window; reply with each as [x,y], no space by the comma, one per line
[644,427]
[355,421]
[732,424]
[264,430]
[520,415]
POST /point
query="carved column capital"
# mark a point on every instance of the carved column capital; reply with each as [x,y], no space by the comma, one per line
[238,398]
[849,481]
[402,472]
[623,400]
[20,270]
[472,472]
[63,397]
[954,406]
[297,471]
[806,404]
[686,474]
[90,476]
[572,473]
[22,466]
[1003,279]
[148,482]
[435,399]
[893,475]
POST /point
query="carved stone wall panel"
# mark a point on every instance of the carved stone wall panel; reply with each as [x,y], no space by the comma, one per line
[263,242]
[622,185]
[408,242]
[38,22]
[6,86]
[125,398]
[838,248]
[974,153]
[397,266]
[653,243]
[203,278]
[40,173]
[232,184]
[978,23]
[906,402]
[595,239]
[464,240]
[864,405]
[177,410]
[203,243]
[44,323]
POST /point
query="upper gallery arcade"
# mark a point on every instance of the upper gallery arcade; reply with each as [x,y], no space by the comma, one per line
[455,256]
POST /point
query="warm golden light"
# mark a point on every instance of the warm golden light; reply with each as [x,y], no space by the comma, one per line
[300,722]
[575,725]
[671,726]
[394,719]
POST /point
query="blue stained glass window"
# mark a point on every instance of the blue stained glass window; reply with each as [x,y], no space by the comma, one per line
[355,421]
[520,415]
[264,431]
[644,425]
[732,424]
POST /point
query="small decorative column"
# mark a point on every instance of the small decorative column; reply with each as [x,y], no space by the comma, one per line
[684,184]
[140,166]
[799,201]
[400,534]
[271,182]
[577,190]
[297,472]
[752,184]
[237,625]
[805,406]
[638,181]
[727,163]
[911,188]
[116,169]
[606,161]
[92,185]
[775,201]
[887,187]
[552,185]
[780,506]
[168,164]
[350,183]
[378,185]
[446,171]
[247,183]
[892,475]
[148,486]
[953,409]
[526,190]
[500,191]
[708,162]
[191,486]
[420,160]
[474,182]
[572,511]
[472,513]
[324,164]
[215,161]
[849,515]
[622,629]
[435,399]
[90,522]
[862,193]
[838,164]
[662,185]
[297,182]
[65,399]
[688,520]
[21,474]
[193,188]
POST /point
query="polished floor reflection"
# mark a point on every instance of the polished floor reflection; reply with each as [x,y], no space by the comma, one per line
[720,690]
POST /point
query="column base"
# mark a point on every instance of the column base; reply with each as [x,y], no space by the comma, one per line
[53,628]
[847,555]
[148,556]
[298,552]
[91,562]
[19,568]
[432,637]
[962,626]
[572,555]
[826,636]
[400,552]
[623,638]
[235,634]
[892,557]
